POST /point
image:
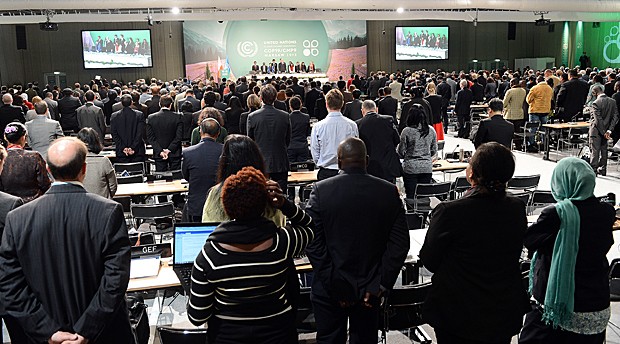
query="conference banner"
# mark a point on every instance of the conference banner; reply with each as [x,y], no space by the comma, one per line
[578,42]
[230,49]
[565,44]
[602,43]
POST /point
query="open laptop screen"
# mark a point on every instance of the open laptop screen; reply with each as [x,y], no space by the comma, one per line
[189,238]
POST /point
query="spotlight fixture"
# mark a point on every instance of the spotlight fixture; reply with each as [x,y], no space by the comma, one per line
[149,19]
[400,10]
[175,10]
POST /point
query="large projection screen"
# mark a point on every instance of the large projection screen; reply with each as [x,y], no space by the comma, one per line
[116,49]
[421,43]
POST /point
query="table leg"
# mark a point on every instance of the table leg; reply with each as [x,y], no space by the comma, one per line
[546,154]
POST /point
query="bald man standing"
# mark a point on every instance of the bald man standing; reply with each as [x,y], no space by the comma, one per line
[360,244]
[64,259]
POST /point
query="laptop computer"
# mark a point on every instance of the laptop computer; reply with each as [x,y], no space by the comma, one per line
[189,238]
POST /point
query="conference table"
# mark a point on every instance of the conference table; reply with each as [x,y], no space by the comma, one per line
[112,154]
[154,188]
[559,126]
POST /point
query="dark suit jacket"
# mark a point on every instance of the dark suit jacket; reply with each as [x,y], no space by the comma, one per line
[10,113]
[310,100]
[199,168]
[67,107]
[476,267]
[153,104]
[464,98]
[353,110]
[373,88]
[7,203]
[299,90]
[478,92]
[354,249]
[80,288]
[495,129]
[280,105]
[271,129]
[320,109]
[604,115]
[164,130]
[127,128]
[89,115]
[571,97]
[591,279]
[388,106]
[52,105]
[300,130]
[381,138]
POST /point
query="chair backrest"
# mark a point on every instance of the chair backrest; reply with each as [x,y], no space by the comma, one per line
[524,196]
[138,178]
[529,183]
[153,211]
[170,335]
[539,200]
[530,125]
[459,186]
[131,168]
[614,280]
[414,221]
[124,201]
[403,307]
[438,190]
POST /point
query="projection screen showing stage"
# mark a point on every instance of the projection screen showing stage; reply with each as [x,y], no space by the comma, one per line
[117,49]
[318,49]
[421,43]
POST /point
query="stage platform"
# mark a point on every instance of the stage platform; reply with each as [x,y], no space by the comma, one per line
[322,77]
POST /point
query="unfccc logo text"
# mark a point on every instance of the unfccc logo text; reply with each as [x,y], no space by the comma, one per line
[247,48]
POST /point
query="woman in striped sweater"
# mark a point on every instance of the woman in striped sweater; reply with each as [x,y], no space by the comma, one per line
[239,280]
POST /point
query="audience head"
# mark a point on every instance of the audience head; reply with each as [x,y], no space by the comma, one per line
[210,127]
[352,154]
[491,167]
[368,106]
[187,106]
[66,159]
[356,94]
[40,108]
[91,139]
[7,99]
[597,89]
[254,102]
[430,88]
[15,133]
[572,178]
[387,91]
[126,100]
[496,105]
[238,152]
[235,103]
[295,103]
[463,83]
[244,194]
[417,118]
[334,100]
[326,88]
[89,96]
[209,98]
[165,101]
[268,94]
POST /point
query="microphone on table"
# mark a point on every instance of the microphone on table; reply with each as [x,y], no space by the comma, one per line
[454,150]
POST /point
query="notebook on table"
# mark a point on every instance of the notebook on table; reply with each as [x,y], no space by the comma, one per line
[189,238]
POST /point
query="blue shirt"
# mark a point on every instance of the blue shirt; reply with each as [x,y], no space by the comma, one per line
[327,135]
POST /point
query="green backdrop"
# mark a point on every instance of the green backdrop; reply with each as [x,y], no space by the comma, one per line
[140,34]
[602,43]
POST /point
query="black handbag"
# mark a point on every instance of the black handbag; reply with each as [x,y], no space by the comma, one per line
[139,319]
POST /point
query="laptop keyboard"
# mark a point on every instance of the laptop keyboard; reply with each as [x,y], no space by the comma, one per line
[184,273]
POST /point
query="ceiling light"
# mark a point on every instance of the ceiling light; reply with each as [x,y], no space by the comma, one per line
[474,61]
[400,10]
[175,10]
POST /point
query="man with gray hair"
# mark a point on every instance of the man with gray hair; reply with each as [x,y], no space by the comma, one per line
[76,294]
[381,137]
[52,105]
[42,130]
[604,113]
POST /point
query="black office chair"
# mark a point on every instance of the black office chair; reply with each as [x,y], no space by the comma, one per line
[133,168]
[138,178]
[305,315]
[524,196]
[414,221]
[421,202]
[521,184]
[539,200]
[402,311]
[527,132]
[151,213]
[171,335]
[458,187]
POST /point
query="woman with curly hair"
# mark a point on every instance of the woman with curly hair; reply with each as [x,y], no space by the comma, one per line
[240,279]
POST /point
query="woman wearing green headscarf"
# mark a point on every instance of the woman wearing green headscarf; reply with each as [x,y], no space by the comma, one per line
[568,278]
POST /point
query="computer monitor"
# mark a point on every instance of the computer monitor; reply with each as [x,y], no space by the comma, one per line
[189,238]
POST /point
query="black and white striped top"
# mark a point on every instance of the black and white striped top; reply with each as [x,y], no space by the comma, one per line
[247,285]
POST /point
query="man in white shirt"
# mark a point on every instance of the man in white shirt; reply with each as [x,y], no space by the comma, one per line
[328,133]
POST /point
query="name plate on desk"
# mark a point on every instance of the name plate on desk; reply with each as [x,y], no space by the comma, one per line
[164,176]
[163,250]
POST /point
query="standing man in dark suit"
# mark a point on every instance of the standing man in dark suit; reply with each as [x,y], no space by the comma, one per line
[89,115]
[320,109]
[127,128]
[76,294]
[300,130]
[282,69]
[445,91]
[477,91]
[199,168]
[189,97]
[271,129]
[373,87]
[67,107]
[52,105]
[311,97]
[164,130]
[9,113]
[381,138]
[347,285]
[495,128]
[464,97]
[604,113]
[571,97]
[388,105]
[353,109]
[153,103]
